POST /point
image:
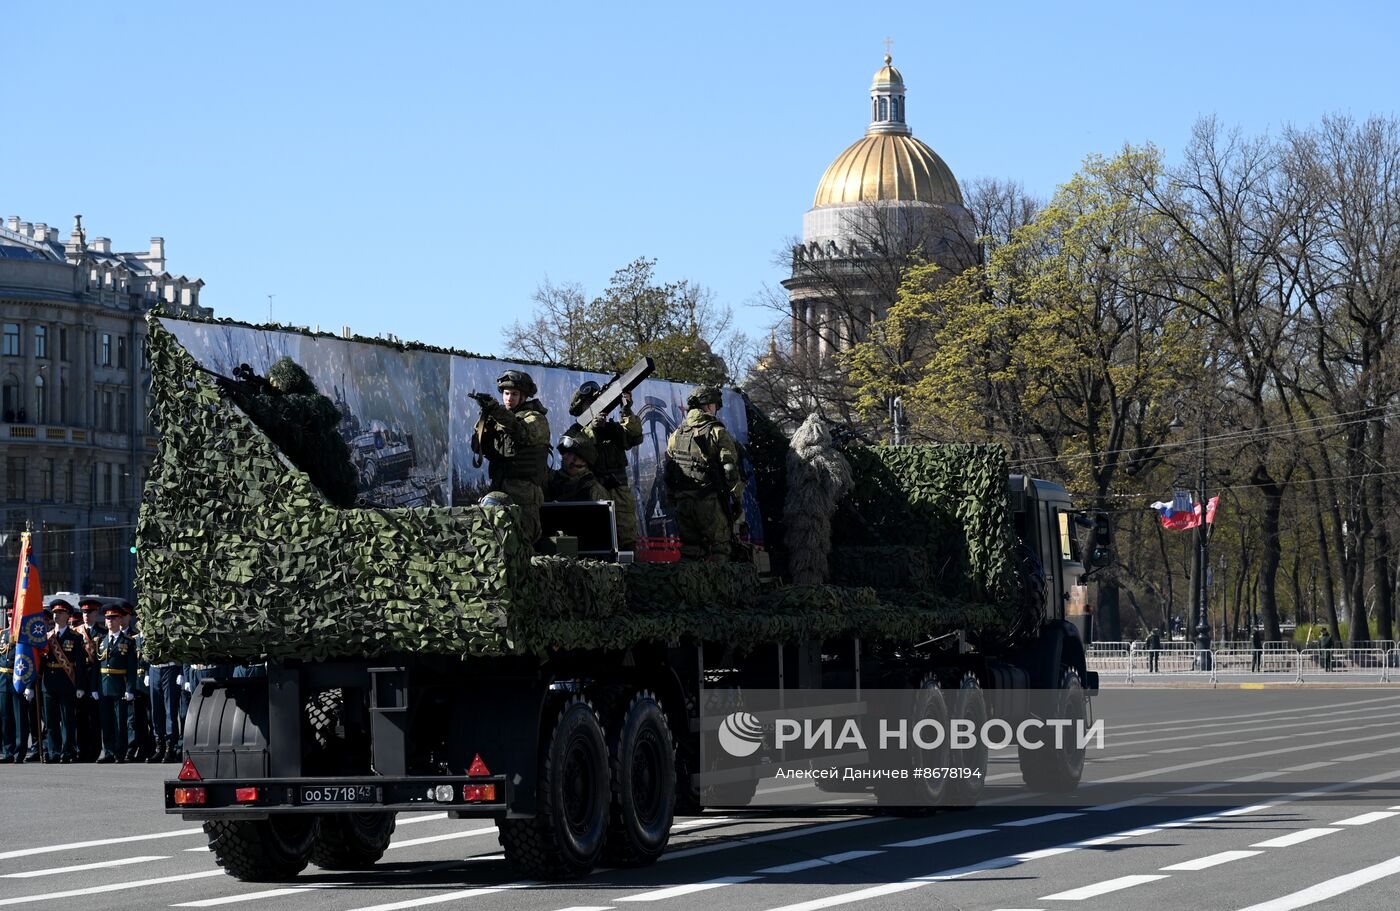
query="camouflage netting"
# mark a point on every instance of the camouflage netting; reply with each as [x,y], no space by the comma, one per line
[241,557]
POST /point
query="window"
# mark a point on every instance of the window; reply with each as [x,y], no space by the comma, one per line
[14,478]
[41,341]
[12,345]
[46,487]
[9,398]
[63,344]
[883,110]
[58,557]
[107,409]
[63,399]
[106,359]
[118,484]
[145,353]
[107,548]
[123,414]
[121,351]
[65,492]
[41,401]
[101,492]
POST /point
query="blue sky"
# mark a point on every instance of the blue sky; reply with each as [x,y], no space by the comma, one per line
[420,167]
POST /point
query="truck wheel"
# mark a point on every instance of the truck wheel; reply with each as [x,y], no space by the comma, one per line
[351,841]
[969,704]
[642,759]
[261,850]
[1057,771]
[566,836]
[919,795]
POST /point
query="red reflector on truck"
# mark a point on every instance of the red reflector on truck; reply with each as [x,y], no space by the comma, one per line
[190,797]
[478,768]
[188,772]
[245,795]
[479,792]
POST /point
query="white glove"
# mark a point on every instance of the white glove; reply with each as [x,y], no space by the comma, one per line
[128,697]
[180,680]
[146,680]
[29,694]
[81,694]
[93,694]
[188,688]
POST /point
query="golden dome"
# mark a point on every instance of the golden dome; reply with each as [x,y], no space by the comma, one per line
[888,166]
[887,76]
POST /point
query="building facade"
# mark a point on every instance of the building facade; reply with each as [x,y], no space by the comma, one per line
[75,431]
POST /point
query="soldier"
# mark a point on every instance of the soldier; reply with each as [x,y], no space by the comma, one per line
[513,436]
[575,481]
[65,678]
[704,478]
[612,439]
[116,665]
[141,744]
[92,630]
[165,710]
[14,707]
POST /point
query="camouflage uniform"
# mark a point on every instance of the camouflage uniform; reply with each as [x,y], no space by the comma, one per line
[516,446]
[702,466]
[612,439]
[581,485]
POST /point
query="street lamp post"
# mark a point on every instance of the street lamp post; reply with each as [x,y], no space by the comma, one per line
[1202,563]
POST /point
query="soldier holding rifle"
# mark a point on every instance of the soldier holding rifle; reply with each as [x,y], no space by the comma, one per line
[513,437]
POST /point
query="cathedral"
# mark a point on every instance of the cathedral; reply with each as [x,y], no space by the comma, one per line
[887,199]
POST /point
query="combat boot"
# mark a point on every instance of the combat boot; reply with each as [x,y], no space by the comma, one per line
[157,754]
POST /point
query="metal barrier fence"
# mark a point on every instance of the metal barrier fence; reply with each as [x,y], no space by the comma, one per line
[1382,665]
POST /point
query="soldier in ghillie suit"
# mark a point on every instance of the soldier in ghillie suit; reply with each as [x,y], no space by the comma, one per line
[704,478]
[304,425]
[818,476]
[575,481]
[513,436]
[612,439]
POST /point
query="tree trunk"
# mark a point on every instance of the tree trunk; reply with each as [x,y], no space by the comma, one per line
[1268,566]
[1108,625]
[1329,594]
[1380,560]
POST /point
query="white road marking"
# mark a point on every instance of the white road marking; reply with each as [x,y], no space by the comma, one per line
[448,896]
[691,824]
[687,889]
[1211,860]
[786,787]
[1037,820]
[1309,766]
[1330,888]
[1365,818]
[204,848]
[235,899]
[826,861]
[938,839]
[588,908]
[431,817]
[1108,885]
[109,887]
[773,836]
[50,849]
[1043,853]
[51,871]
[1294,838]
[429,839]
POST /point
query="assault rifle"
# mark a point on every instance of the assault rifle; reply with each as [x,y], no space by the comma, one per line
[611,394]
[245,381]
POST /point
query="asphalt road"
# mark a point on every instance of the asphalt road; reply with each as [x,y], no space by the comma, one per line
[1290,804]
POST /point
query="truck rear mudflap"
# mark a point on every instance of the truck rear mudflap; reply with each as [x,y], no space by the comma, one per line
[258,798]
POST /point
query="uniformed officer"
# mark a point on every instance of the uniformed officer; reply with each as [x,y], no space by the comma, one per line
[14,708]
[612,439]
[141,744]
[92,630]
[575,481]
[65,676]
[513,436]
[116,665]
[704,478]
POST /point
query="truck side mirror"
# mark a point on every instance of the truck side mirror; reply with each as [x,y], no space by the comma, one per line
[1101,547]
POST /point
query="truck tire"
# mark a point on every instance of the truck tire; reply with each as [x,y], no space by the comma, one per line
[351,841]
[566,836]
[642,763]
[1051,770]
[916,796]
[262,850]
[968,704]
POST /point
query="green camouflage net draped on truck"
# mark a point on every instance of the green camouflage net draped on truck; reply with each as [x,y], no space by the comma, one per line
[241,558]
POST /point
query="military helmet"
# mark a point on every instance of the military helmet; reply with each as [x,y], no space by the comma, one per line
[705,395]
[584,397]
[497,498]
[517,379]
[580,447]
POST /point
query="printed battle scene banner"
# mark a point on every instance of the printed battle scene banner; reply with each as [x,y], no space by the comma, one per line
[407,418]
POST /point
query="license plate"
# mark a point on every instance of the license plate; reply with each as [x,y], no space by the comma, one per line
[335,793]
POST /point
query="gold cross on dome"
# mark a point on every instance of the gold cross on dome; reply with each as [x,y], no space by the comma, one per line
[888,44]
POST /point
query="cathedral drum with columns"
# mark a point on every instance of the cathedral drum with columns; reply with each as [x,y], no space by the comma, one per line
[888,196]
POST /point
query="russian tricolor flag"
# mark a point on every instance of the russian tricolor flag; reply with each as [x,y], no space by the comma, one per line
[1182,513]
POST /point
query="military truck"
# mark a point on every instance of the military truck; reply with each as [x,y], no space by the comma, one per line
[418,659]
